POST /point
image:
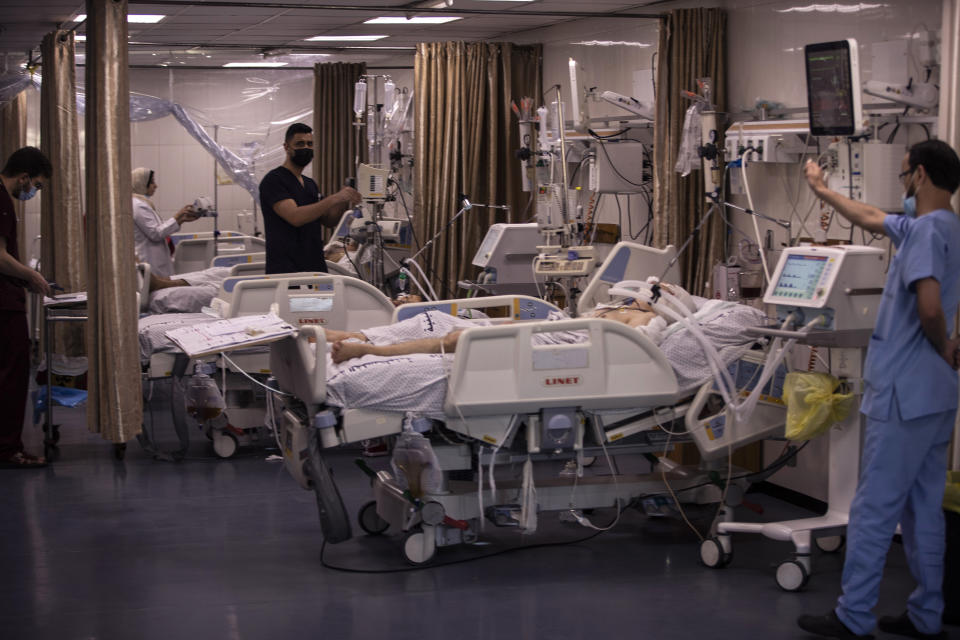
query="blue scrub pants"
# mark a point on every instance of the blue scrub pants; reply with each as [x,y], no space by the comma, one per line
[902,480]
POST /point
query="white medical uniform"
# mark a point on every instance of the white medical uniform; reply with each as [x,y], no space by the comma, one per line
[150,235]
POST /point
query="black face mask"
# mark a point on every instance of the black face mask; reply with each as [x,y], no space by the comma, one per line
[302,157]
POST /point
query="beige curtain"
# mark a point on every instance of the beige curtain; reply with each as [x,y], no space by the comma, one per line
[692,45]
[13,136]
[465,140]
[334,136]
[61,212]
[114,407]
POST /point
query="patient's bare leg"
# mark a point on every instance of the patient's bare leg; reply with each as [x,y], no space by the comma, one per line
[158,282]
[341,351]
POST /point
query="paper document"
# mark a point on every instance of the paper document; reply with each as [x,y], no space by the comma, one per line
[65,298]
[233,333]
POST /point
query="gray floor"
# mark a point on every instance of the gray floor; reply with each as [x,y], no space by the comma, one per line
[94,548]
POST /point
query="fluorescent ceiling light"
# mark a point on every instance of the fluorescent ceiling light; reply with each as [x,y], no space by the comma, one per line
[832,8]
[416,20]
[142,18]
[611,43]
[79,37]
[345,38]
[255,64]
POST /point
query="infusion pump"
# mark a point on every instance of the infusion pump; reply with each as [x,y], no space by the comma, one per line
[844,284]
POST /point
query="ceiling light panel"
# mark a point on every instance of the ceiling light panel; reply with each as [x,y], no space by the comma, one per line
[255,64]
[343,38]
[137,18]
[414,20]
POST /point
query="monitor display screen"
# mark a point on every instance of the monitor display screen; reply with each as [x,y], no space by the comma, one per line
[832,89]
[800,276]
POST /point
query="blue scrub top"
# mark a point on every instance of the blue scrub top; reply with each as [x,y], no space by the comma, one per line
[901,361]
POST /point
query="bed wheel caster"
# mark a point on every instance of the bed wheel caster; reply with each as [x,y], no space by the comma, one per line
[792,575]
[224,444]
[712,554]
[830,544]
[370,521]
[419,547]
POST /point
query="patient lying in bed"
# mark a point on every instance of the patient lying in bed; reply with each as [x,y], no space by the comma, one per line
[404,366]
[633,313]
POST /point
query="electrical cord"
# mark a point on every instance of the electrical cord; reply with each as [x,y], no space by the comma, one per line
[541,545]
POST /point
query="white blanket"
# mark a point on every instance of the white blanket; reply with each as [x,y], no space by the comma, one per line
[203,286]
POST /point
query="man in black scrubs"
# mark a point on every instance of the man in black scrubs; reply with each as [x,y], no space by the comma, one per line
[294,213]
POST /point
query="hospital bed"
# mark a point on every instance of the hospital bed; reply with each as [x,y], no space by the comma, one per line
[510,397]
[196,251]
[300,299]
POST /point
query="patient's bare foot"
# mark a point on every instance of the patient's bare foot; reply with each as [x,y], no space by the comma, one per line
[335,335]
[345,350]
[158,282]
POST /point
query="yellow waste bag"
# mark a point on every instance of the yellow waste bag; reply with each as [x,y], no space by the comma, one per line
[812,405]
[951,498]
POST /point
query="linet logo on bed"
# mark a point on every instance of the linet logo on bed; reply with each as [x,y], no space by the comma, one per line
[311,321]
[569,381]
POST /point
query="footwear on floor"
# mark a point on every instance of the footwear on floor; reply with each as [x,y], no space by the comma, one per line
[22,460]
[902,625]
[828,626]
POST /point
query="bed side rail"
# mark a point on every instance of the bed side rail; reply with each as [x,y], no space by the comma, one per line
[498,370]
[628,261]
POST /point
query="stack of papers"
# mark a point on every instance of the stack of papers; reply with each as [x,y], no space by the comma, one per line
[233,333]
[65,298]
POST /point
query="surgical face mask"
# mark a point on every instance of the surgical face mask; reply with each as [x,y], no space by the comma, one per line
[26,195]
[910,206]
[302,157]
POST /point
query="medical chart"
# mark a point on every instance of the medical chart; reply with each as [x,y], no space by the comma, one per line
[233,333]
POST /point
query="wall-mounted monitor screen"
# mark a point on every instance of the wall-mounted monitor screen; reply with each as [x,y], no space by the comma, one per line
[833,88]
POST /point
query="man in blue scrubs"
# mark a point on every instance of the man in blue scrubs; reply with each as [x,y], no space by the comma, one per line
[910,400]
[294,213]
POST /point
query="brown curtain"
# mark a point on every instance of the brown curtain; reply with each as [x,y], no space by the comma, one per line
[692,45]
[334,136]
[114,407]
[13,136]
[61,213]
[465,141]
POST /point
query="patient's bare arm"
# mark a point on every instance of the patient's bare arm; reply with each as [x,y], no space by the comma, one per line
[341,351]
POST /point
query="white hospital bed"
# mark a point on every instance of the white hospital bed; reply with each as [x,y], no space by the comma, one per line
[303,299]
[196,251]
[505,393]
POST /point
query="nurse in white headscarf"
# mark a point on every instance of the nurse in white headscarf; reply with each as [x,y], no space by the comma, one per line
[150,232]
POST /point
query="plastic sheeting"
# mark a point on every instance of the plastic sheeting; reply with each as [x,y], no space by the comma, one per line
[144,108]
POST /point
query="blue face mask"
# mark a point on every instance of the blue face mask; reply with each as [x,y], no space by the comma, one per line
[26,195]
[910,206]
